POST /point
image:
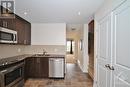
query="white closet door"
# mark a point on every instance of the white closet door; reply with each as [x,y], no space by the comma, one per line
[121,46]
[104,52]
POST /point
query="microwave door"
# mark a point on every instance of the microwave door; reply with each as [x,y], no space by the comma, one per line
[6,37]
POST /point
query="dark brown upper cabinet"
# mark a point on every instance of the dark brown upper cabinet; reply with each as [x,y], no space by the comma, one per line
[27,33]
[19,27]
[23,29]
[7,23]
[7,20]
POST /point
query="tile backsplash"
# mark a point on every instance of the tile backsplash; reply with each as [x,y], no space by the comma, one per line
[52,49]
[14,50]
[11,50]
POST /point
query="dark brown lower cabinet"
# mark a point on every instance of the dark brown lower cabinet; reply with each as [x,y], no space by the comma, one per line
[44,68]
[36,67]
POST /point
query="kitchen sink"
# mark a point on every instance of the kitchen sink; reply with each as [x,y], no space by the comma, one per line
[42,55]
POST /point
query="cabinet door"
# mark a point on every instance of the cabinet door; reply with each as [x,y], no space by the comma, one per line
[27,33]
[7,23]
[44,67]
[30,68]
[24,31]
[10,23]
[19,27]
[1,22]
[104,52]
[121,46]
[36,67]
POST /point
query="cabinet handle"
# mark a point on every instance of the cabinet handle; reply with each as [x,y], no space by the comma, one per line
[107,65]
[6,24]
[112,68]
[24,41]
[38,60]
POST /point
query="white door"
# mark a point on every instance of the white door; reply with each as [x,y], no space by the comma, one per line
[121,46]
[104,52]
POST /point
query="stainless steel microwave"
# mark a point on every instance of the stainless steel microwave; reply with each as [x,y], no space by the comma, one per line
[7,35]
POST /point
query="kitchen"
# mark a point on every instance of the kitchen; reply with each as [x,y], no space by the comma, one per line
[15,70]
[18,63]
[30,51]
[33,43]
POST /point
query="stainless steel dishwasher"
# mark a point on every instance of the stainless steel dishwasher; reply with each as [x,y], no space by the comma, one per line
[56,68]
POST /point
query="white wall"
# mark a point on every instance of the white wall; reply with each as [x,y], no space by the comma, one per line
[107,7]
[48,34]
[85,50]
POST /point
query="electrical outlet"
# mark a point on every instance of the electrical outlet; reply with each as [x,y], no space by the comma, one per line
[19,50]
[55,50]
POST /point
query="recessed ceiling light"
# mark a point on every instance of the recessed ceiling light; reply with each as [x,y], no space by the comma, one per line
[25,13]
[73,29]
[79,13]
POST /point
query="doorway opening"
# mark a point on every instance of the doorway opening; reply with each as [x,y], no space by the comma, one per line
[70,49]
[70,46]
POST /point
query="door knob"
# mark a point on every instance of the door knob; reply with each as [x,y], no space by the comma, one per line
[112,68]
[109,67]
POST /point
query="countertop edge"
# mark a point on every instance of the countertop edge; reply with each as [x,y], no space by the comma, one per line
[14,59]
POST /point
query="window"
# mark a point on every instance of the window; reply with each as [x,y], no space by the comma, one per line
[70,46]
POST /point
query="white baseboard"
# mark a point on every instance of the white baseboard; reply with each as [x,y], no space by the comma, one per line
[80,66]
[83,69]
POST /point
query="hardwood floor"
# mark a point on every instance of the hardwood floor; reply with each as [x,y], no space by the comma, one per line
[74,78]
[70,59]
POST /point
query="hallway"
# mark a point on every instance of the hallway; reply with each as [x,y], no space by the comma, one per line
[74,78]
[70,59]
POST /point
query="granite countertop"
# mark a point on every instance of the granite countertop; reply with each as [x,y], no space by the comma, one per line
[14,59]
[49,56]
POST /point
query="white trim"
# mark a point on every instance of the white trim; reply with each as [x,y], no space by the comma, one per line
[96,26]
[85,50]
[80,66]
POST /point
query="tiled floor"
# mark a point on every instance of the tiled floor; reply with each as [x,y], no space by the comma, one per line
[73,78]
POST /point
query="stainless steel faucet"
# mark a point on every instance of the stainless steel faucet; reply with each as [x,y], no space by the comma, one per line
[44,52]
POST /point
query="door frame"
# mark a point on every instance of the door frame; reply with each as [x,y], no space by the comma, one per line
[114,5]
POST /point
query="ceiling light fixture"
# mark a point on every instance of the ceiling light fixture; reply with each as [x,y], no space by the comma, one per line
[73,29]
[79,13]
[25,13]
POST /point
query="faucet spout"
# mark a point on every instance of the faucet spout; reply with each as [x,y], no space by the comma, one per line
[44,52]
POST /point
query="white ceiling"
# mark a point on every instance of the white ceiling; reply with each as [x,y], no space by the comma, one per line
[55,11]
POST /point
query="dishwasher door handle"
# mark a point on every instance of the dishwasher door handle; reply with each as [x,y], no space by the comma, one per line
[56,60]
